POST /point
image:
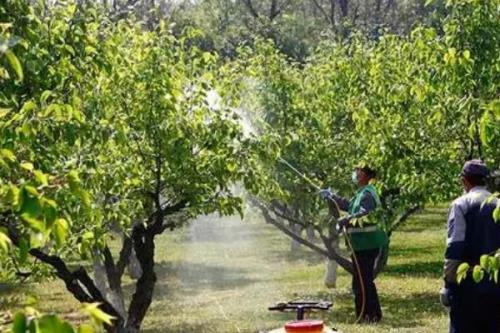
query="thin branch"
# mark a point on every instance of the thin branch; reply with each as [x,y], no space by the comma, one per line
[124,256]
[290,233]
[322,10]
[403,217]
[111,272]
[158,227]
[249,5]
[329,253]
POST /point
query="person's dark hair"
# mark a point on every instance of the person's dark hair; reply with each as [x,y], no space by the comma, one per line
[476,180]
[370,173]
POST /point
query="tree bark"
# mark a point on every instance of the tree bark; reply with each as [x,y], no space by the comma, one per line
[344,8]
[331,273]
[297,230]
[310,233]
[144,247]
[251,9]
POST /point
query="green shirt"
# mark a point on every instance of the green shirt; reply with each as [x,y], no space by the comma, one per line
[365,233]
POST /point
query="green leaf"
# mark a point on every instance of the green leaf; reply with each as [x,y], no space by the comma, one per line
[41,177]
[231,166]
[477,274]
[494,263]
[5,242]
[73,179]
[496,214]
[15,197]
[93,310]
[45,95]
[24,248]
[60,229]
[28,106]
[51,324]
[462,271]
[484,262]
[84,197]
[19,324]
[84,328]
[15,64]
[8,154]
[32,190]
[4,112]
[27,166]
[466,54]
[48,202]
[33,222]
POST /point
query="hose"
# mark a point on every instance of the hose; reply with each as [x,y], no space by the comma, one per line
[361,281]
[346,235]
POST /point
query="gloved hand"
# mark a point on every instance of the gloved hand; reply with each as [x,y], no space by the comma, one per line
[444,297]
[343,222]
[326,193]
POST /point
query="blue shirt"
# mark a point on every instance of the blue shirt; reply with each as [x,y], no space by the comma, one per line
[472,232]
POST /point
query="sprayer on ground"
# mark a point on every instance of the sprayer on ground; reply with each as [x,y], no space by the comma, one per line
[300,324]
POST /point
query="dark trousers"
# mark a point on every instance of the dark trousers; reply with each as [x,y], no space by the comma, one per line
[372,311]
[471,312]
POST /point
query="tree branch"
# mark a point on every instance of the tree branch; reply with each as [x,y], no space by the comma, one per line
[290,233]
[124,256]
[329,252]
[114,279]
[78,283]
[158,227]
[325,14]
[403,217]
[249,5]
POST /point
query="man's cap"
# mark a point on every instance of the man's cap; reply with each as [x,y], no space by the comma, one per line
[475,168]
[369,171]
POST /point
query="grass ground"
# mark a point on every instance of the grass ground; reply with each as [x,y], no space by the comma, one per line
[219,275]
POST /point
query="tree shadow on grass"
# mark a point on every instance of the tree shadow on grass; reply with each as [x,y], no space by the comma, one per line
[423,222]
[10,296]
[180,328]
[399,311]
[432,269]
[415,251]
[301,254]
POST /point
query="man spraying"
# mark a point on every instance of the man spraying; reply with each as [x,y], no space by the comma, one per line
[472,232]
[367,240]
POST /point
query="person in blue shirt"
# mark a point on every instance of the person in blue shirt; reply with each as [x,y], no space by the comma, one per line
[472,232]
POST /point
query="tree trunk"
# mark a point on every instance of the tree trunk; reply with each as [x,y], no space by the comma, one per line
[134,267]
[310,233]
[297,230]
[114,297]
[144,247]
[344,8]
[331,273]
[331,266]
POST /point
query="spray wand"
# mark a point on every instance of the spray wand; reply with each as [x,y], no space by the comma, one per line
[300,174]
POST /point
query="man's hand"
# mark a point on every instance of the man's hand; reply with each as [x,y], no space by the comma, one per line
[343,222]
[326,194]
[444,297]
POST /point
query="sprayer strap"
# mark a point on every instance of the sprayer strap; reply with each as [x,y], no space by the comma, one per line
[365,229]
